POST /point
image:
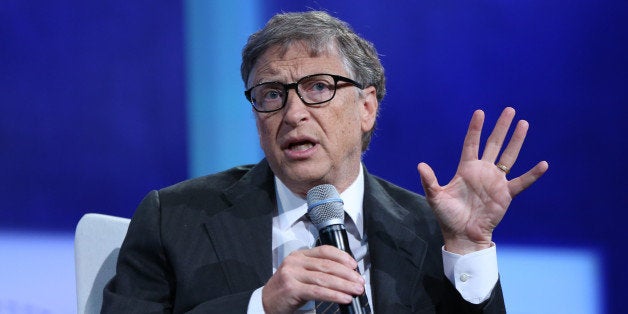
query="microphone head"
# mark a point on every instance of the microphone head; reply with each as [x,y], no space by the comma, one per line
[324,206]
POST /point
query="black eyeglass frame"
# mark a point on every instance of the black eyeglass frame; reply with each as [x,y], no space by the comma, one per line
[287,87]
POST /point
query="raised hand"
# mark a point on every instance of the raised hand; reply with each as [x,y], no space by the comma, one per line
[323,273]
[473,203]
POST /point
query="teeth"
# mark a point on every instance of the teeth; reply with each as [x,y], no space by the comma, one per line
[301,147]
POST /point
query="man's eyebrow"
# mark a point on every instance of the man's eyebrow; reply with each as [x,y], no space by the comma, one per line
[266,76]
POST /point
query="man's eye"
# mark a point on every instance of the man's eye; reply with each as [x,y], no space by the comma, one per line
[319,86]
[272,95]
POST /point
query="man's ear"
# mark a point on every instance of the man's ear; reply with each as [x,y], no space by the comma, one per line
[368,108]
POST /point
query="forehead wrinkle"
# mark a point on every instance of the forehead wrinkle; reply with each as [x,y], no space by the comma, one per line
[281,69]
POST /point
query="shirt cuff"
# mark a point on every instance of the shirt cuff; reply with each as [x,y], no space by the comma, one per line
[255,302]
[474,275]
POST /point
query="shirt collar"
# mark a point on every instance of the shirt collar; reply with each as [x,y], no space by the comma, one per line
[291,207]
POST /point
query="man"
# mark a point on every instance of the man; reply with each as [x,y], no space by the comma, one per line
[240,241]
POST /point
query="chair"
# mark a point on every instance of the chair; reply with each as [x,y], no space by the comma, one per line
[97,243]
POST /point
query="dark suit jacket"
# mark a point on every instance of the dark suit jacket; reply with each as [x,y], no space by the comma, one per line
[204,245]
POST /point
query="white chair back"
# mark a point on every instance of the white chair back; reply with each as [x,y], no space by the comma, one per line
[97,242]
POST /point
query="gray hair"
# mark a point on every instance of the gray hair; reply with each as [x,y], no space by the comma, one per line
[319,32]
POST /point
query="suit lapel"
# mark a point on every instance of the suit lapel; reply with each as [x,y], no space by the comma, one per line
[396,252]
[242,232]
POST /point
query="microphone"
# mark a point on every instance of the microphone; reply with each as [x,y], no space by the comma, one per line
[325,209]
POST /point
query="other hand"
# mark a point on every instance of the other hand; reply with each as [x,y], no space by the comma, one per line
[473,203]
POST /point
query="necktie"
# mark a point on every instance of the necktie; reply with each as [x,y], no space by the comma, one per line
[324,307]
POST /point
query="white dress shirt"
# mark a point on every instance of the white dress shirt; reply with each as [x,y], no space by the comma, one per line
[474,275]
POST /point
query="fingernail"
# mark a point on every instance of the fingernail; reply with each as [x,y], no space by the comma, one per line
[359,289]
[361,279]
[347,299]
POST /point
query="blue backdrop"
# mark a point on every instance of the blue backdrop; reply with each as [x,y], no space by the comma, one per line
[101,103]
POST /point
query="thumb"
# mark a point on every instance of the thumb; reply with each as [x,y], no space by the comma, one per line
[428,180]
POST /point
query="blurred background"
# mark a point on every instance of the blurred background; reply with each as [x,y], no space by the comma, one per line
[104,101]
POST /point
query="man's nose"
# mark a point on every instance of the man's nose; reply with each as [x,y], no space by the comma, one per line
[295,109]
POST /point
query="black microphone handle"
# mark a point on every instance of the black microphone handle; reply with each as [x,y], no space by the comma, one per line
[336,235]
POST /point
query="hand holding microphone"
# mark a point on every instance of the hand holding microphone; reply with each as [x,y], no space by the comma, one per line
[321,273]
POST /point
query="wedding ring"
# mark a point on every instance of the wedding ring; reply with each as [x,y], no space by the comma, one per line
[503,168]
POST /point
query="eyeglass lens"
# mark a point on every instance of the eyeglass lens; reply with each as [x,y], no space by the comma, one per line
[311,89]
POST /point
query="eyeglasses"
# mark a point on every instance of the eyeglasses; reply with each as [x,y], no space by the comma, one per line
[312,89]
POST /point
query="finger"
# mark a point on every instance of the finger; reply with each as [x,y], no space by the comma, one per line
[331,253]
[333,261]
[471,145]
[510,154]
[517,185]
[338,285]
[428,180]
[496,139]
[330,295]
[335,278]
[323,272]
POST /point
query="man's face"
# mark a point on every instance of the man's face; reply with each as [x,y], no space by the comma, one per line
[310,145]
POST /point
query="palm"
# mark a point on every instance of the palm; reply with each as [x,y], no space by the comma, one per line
[473,203]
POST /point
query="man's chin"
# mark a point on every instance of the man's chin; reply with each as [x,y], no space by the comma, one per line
[301,179]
